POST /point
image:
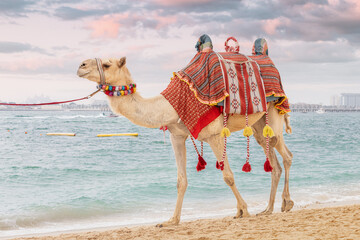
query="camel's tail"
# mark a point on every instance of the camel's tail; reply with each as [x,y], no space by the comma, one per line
[288,128]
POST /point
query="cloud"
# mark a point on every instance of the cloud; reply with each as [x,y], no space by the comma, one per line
[338,51]
[31,64]
[189,6]
[107,26]
[271,26]
[14,47]
[69,13]
[15,7]
[181,2]
[110,26]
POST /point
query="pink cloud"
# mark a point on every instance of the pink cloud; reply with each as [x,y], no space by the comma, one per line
[110,26]
[107,26]
[31,64]
[270,26]
[180,2]
[164,21]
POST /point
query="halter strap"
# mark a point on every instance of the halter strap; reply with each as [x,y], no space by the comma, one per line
[101,71]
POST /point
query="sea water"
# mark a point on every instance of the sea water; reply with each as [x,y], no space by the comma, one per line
[62,183]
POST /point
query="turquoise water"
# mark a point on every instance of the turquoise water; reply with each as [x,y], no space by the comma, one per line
[57,183]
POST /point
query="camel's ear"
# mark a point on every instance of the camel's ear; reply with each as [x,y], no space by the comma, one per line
[122,62]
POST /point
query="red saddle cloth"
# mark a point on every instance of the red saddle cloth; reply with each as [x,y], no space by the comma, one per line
[193,113]
[272,82]
[196,89]
[229,76]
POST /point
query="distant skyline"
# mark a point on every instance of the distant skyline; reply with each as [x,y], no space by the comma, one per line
[314,44]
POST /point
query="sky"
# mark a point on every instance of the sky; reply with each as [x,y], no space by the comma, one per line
[314,44]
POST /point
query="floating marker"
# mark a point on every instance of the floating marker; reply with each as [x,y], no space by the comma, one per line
[118,134]
[61,134]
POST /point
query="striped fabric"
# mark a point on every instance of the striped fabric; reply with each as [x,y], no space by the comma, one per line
[205,78]
[245,86]
[272,82]
[194,114]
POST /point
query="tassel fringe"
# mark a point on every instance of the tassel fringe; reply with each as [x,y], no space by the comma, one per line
[225,132]
[201,164]
[248,131]
[267,166]
[268,131]
[220,165]
[246,167]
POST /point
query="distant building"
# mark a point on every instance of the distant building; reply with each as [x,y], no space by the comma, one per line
[335,100]
[51,107]
[350,99]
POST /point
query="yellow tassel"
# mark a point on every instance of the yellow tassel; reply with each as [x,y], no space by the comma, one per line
[268,131]
[225,132]
[247,132]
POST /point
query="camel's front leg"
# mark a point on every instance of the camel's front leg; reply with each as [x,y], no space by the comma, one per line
[276,172]
[217,145]
[287,156]
[178,143]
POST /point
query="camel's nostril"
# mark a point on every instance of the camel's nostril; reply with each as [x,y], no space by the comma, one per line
[83,65]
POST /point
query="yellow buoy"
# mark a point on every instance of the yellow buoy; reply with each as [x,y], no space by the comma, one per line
[61,134]
[118,134]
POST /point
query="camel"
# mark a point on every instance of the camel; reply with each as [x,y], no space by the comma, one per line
[156,112]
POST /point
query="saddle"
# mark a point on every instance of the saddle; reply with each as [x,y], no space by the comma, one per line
[226,78]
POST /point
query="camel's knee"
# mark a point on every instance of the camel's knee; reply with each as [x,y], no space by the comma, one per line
[277,171]
[182,183]
[229,180]
[290,155]
[287,163]
[287,158]
[273,141]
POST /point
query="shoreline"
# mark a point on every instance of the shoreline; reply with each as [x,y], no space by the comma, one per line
[318,221]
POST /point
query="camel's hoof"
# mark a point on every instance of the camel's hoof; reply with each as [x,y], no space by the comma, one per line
[167,224]
[265,212]
[287,205]
[242,214]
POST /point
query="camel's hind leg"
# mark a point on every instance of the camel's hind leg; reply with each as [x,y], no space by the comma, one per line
[276,172]
[178,143]
[217,145]
[287,156]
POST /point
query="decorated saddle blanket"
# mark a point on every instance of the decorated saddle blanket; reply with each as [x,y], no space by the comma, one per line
[194,114]
[272,82]
[233,77]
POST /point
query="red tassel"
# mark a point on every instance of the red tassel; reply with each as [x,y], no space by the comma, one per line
[267,166]
[247,167]
[201,164]
[220,165]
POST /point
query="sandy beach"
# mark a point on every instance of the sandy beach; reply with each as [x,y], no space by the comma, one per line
[324,223]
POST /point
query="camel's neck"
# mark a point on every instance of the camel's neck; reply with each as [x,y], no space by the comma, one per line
[152,113]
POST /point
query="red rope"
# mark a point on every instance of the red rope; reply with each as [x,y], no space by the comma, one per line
[267,137]
[197,151]
[225,140]
[51,103]
[247,140]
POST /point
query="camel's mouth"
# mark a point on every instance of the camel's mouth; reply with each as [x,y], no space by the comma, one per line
[82,74]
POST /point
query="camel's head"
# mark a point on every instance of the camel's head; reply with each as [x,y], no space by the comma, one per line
[115,71]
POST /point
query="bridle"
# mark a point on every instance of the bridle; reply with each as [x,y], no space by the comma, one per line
[101,71]
[112,90]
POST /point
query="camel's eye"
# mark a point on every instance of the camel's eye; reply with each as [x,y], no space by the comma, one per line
[107,64]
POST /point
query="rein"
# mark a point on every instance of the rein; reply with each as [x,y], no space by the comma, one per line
[51,103]
[107,89]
